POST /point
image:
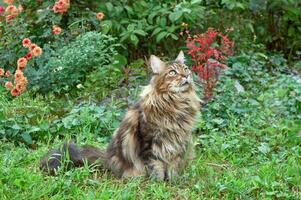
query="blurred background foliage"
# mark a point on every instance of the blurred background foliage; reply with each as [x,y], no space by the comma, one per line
[97,67]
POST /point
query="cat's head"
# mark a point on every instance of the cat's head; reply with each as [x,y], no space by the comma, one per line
[173,76]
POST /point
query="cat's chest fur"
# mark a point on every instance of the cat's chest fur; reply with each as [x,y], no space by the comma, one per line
[168,124]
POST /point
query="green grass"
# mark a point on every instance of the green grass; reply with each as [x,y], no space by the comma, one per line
[245,170]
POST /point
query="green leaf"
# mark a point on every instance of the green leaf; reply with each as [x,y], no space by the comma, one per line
[106,26]
[119,60]
[129,10]
[151,17]
[27,138]
[140,32]
[196,1]
[173,36]
[163,21]
[16,127]
[134,39]
[109,6]
[160,36]
[175,16]
[157,30]
[131,27]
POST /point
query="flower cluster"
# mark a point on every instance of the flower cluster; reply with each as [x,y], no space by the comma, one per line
[11,11]
[33,49]
[56,30]
[4,74]
[61,6]
[20,81]
[208,52]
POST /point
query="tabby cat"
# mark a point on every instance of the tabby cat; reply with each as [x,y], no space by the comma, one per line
[154,138]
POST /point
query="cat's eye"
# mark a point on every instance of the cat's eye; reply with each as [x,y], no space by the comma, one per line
[172,72]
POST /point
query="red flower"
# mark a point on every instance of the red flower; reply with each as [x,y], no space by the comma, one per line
[14,92]
[1,10]
[26,42]
[28,56]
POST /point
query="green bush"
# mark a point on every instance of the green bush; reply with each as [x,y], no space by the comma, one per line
[250,97]
[148,25]
[69,65]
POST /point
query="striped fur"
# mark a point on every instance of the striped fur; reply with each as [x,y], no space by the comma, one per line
[154,138]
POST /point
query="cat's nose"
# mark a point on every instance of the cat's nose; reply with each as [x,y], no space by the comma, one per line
[185,80]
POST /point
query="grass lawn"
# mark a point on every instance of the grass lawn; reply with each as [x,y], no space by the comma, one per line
[245,172]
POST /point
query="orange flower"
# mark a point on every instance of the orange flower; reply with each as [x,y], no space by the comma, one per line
[8,85]
[20,8]
[56,30]
[8,18]
[61,6]
[22,62]
[28,56]
[37,51]
[18,75]
[26,42]
[7,74]
[23,81]
[100,16]
[1,72]
[20,87]
[9,2]
[11,10]
[14,92]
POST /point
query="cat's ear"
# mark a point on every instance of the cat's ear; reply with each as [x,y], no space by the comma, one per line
[181,57]
[156,64]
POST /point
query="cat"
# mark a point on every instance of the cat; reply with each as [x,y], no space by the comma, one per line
[154,138]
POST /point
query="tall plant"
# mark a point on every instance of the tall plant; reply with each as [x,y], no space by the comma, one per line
[209,51]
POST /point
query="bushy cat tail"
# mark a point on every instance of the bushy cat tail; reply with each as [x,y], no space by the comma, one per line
[72,155]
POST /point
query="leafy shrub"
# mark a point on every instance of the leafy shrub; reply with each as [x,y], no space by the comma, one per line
[276,24]
[153,26]
[69,65]
[251,98]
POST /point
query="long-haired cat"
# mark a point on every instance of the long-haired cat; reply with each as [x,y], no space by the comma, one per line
[154,138]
